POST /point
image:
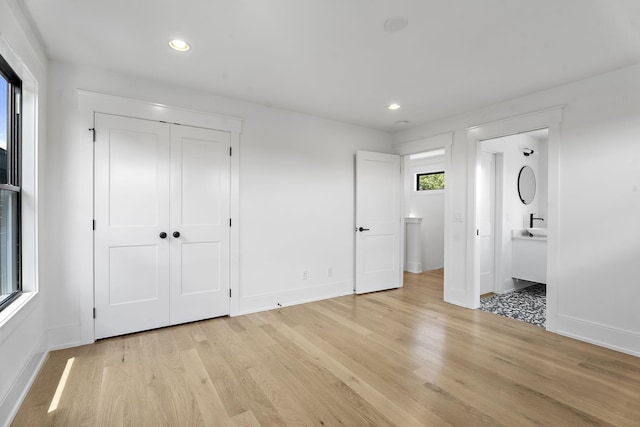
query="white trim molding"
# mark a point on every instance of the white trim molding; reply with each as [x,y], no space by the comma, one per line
[14,397]
[274,300]
[596,333]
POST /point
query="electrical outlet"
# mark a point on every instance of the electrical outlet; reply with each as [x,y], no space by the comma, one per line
[305,275]
[330,272]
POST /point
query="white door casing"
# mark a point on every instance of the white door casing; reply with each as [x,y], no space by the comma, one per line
[551,119]
[378,216]
[200,172]
[153,178]
[486,202]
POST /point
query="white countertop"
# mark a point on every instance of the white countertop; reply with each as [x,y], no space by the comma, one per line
[524,235]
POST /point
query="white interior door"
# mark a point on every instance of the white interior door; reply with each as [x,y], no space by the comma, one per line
[131,210]
[162,202]
[486,203]
[200,187]
[377,221]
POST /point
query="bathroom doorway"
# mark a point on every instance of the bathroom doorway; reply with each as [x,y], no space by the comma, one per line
[503,214]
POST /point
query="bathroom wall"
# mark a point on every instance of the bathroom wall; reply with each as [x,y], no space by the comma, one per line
[511,213]
[428,205]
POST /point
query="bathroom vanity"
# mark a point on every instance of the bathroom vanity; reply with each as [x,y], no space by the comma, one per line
[529,255]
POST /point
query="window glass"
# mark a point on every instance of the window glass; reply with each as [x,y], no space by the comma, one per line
[8,244]
[430,181]
[4,125]
[10,84]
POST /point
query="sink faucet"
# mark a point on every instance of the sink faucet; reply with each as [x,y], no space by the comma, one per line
[532,218]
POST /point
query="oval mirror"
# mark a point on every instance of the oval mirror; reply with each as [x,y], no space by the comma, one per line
[526,185]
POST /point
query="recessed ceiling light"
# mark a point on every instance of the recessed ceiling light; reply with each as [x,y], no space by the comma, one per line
[393,106]
[179,45]
[402,122]
[396,23]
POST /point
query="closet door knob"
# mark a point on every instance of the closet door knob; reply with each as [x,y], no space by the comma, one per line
[163,235]
[176,234]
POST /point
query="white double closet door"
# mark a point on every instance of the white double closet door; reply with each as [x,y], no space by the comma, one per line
[162,200]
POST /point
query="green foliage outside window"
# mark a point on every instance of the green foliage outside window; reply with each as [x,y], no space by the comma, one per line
[431,181]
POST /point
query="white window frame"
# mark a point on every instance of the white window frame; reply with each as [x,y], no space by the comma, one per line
[20,309]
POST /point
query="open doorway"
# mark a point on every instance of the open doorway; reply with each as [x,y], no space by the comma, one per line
[550,119]
[424,196]
[512,200]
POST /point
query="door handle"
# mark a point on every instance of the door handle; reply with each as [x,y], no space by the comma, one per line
[363,229]
[163,235]
[176,234]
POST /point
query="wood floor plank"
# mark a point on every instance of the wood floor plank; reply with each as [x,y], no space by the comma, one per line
[369,393]
[295,400]
[238,389]
[245,419]
[205,393]
[395,358]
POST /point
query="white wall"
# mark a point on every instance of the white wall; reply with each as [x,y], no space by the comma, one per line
[296,196]
[597,249]
[428,205]
[23,338]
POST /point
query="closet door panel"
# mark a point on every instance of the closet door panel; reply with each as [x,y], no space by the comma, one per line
[200,195]
[203,167]
[131,210]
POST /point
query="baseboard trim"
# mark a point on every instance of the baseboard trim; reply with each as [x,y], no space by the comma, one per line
[601,335]
[64,337]
[457,297]
[414,267]
[20,387]
[254,304]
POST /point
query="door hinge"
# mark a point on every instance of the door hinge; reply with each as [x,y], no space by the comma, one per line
[229,293]
[94,225]
[94,312]
[93,130]
[230,151]
[477,231]
[229,222]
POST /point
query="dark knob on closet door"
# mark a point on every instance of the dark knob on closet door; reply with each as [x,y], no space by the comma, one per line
[176,234]
[163,235]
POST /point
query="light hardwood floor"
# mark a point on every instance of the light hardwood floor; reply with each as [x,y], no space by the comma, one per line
[400,357]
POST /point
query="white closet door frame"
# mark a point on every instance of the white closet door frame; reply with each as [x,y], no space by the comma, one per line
[90,103]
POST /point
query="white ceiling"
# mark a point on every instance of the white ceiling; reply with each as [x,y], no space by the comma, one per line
[333,58]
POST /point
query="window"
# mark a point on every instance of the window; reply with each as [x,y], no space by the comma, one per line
[10,130]
[430,181]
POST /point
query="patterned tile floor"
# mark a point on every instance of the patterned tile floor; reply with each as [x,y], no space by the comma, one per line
[528,304]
